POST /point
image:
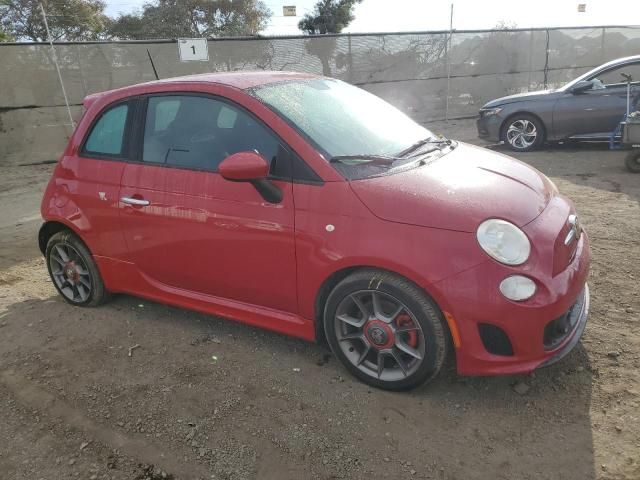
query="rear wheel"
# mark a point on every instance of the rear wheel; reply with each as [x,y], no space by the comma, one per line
[385,330]
[73,271]
[632,161]
[522,132]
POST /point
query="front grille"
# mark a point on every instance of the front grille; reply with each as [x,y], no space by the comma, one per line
[558,329]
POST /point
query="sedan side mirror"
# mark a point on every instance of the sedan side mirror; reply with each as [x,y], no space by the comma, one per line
[581,87]
[253,168]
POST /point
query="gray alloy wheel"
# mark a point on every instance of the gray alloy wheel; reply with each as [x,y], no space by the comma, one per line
[379,335]
[73,271]
[385,330]
[70,273]
[522,133]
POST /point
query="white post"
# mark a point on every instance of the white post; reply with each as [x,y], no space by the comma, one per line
[55,61]
[446,112]
[628,95]
[530,60]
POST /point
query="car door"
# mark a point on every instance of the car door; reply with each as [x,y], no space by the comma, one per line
[595,112]
[189,228]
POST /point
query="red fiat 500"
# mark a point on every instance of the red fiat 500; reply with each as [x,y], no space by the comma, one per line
[310,207]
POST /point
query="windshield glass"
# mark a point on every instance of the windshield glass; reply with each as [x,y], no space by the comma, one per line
[342,120]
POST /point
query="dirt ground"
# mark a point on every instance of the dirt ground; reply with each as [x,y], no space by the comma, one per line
[203,397]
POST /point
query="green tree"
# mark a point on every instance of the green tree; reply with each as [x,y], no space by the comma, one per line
[4,37]
[328,16]
[193,18]
[127,27]
[68,19]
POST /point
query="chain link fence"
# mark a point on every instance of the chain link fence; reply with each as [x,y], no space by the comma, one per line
[429,75]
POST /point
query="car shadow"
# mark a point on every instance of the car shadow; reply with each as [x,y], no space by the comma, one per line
[456,427]
[534,426]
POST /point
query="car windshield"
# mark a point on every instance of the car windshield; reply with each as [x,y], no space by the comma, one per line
[343,120]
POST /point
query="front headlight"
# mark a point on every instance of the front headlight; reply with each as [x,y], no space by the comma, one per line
[503,241]
[486,112]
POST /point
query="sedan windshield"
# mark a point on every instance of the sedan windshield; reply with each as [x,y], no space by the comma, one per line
[343,120]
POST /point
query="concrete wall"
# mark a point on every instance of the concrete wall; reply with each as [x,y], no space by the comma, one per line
[409,70]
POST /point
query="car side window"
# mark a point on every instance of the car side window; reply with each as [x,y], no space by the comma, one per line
[108,133]
[613,78]
[199,132]
[165,114]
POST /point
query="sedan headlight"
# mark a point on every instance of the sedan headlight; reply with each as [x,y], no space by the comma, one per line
[486,112]
[503,241]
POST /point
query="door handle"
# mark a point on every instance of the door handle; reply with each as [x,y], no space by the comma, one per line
[135,201]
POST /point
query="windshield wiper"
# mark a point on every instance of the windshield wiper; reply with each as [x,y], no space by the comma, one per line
[364,158]
[424,141]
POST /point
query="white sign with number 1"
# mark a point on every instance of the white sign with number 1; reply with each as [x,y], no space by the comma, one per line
[193,49]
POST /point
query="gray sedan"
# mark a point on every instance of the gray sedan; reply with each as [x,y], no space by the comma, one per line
[587,108]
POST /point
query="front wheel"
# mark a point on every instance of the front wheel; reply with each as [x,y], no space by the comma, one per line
[73,271]
[385,330]
[522,133]
[632,161]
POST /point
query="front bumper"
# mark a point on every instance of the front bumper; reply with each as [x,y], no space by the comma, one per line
[582,314]
[489,127]
[472,300]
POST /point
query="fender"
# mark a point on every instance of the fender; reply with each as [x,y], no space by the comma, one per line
[50,228]
[62,209]
[81,187]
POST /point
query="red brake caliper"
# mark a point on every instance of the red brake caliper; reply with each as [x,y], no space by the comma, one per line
[404,320]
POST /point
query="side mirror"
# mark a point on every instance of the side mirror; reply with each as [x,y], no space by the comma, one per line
[253,168]
[244,167]
[582,86]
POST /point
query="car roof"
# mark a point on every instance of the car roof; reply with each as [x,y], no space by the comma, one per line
[617,61]
[242,80]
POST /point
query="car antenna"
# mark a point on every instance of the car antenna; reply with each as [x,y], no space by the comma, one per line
[155,72]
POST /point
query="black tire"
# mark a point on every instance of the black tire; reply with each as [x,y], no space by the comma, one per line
[432,338]
[88,290]
[632,161]
[526,123]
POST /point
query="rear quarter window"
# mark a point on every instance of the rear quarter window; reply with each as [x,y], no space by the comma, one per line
[107,134]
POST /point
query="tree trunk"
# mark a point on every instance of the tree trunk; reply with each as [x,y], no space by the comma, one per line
[326,68]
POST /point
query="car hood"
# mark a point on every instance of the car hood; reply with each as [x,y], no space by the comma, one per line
[520,97]
[458,191]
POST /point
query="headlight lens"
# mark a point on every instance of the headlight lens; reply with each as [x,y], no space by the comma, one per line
[503,241]
[490,111]
[517,288]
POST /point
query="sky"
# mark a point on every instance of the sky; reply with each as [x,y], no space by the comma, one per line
[418,15]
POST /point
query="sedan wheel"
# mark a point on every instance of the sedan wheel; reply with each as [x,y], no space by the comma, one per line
[390,336]
[523,133]
[73,271]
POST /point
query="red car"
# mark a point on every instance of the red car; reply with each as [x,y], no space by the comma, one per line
[310,207]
